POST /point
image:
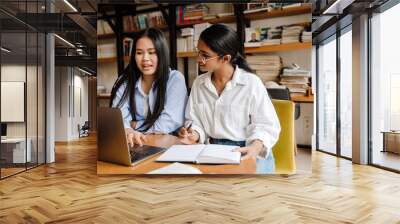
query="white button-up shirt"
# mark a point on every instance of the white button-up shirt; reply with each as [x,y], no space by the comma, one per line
[243,111]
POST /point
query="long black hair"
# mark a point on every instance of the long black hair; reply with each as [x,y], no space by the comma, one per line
[223,40]
[131,75]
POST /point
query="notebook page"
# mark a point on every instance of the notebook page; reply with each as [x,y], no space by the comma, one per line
[176,168]
[181,153]
[213,153]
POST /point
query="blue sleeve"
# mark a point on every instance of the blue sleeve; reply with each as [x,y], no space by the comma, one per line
[124,107]
[172,117]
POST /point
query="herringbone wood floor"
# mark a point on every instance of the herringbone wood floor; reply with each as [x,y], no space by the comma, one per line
[69,191]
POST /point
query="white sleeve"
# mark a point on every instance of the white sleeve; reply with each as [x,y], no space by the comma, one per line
[124,106]
[264,123]
[191,114]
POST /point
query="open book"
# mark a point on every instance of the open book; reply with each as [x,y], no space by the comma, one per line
[204,154]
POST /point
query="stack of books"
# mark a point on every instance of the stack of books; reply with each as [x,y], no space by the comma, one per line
[198,29]
[306,36]
[274,36]
[106,50]
[267,67]
[186,42]
[256,7]
[191,13]
[291,34]
[296,80]
[143,21]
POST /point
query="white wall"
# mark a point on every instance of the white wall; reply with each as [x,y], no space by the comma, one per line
[71,87]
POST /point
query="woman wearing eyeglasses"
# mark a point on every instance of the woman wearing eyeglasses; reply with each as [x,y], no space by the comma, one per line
[151,96]
[229,104]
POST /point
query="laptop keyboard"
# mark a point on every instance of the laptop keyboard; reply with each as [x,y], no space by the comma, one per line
[140,153]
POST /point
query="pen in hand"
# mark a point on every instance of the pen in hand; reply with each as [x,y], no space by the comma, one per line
[187,127]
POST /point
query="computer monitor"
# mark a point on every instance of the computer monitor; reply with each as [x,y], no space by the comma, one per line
[3,129]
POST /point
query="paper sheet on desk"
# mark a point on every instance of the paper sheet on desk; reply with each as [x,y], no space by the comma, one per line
[176,168]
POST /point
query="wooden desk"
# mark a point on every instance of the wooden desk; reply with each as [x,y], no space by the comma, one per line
[105,168]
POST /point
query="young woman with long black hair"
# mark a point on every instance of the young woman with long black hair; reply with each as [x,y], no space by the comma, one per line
[229,104]
[151,96]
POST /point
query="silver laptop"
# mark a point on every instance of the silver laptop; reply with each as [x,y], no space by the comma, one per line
[112,145]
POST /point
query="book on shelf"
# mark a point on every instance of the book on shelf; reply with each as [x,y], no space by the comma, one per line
[106,50]
[103,27]
[267,67]
[198,29]
[191,13]
[225,14]
[291,34]
[128,44]
[189,31]
[201,154]
[142,20]
[256,7]
[306,36]
[296,79]
[209,16]
[291,5]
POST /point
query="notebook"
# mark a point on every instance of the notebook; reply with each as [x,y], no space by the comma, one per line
[176,168]
[202,154]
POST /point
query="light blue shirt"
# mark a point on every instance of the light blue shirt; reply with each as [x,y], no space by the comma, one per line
[171,118]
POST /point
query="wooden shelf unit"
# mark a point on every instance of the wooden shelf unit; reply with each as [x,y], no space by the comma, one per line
[279,12]
[262,49]
[276,48]
[113,59]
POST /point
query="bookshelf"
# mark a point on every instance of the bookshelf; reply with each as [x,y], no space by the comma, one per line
[277,48]
[111,60]
[255,16]
[279,13]
[262,49]
[125,34]
[172,27]
[225,19]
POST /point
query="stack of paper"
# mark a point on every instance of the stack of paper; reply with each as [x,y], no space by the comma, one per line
[291,34]
[267,67]
[176,168]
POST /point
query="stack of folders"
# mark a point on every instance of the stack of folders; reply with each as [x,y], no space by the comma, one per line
[201,154]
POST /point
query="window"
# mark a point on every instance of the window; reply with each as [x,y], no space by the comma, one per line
[346,92]
[326,96]
[385,89]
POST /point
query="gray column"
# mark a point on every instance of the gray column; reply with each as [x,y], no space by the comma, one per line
[360,90]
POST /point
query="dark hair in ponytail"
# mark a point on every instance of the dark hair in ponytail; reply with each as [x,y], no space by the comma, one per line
[132,74]
[223,40]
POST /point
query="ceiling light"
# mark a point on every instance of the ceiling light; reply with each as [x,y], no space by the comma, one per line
[338,6]
[5,50]
[65,41]
[70,5]
[84,71]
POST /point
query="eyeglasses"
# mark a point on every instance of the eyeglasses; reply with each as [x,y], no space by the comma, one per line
[204,58]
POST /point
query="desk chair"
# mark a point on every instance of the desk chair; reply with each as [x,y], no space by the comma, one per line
[84,130]
[283,94]
[284,154]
